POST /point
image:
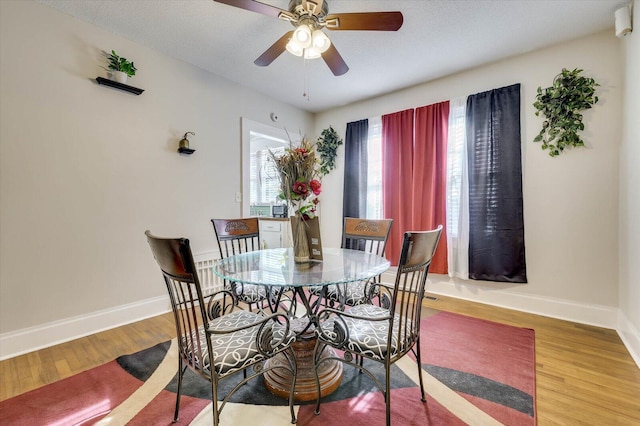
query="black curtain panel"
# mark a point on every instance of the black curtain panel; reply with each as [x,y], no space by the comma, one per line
[354,201]
[496,226]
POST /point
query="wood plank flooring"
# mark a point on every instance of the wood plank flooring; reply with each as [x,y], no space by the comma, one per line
[584,374]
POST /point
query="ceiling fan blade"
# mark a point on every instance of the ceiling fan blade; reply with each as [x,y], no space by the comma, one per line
[274,51]
[254,6]
[371,21]
[334,61]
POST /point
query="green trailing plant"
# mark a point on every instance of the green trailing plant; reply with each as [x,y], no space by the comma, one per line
[561,104]
[327,146]
[118,63]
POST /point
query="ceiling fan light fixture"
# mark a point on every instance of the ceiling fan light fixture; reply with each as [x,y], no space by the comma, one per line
[308,18]
[302,35]
[320,41]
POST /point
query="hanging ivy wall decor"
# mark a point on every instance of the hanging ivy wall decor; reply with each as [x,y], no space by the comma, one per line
[561,105]
[327,146]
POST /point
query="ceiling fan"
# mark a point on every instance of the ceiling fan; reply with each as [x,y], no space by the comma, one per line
[309,17]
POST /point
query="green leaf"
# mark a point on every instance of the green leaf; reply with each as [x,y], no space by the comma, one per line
[119,63]
[561,105]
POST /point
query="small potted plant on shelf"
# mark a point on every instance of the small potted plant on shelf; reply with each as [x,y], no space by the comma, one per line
[121,68]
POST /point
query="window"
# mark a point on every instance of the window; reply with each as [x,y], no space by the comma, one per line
[374,169]
[264,179]
[484,224]
[456,160]
[260,184]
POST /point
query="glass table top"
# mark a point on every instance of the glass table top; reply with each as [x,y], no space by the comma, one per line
[275,267]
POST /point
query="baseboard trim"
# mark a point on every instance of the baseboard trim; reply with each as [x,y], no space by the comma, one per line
[584,313]
[630,337]
[33,338]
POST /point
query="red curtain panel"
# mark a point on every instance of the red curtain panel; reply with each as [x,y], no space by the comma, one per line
[397,157]
[429,192]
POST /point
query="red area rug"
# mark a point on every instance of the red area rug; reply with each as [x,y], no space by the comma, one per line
[476,372]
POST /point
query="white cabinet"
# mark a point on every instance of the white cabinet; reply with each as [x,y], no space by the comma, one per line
[274,232]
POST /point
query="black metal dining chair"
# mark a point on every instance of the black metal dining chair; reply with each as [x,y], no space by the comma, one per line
[237,236]
[370,236]
[215,339]
[378,333]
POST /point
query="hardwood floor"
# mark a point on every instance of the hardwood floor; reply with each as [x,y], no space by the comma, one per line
[584,374]
[30,371]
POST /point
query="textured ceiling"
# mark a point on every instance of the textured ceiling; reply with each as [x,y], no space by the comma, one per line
[438,37]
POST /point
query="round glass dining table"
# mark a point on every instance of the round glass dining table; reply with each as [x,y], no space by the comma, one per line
[275,268]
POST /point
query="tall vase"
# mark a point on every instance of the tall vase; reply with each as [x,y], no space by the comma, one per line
[300,244]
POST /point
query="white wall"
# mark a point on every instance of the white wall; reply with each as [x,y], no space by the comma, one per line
[570,202]
[86,169]
[629,234]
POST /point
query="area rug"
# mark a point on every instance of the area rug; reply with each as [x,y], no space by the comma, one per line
[476,372]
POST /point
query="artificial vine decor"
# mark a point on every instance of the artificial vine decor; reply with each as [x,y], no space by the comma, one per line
[561,105]
[327,146]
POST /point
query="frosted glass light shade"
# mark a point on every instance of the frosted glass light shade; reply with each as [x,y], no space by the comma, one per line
[320,41]
[294,48]
[302,35]
[311,53]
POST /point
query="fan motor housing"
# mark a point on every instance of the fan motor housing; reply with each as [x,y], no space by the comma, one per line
[296,7]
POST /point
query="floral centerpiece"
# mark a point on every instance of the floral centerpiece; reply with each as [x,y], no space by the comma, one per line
[300,174]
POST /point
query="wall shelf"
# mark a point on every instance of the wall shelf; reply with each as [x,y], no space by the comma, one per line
[120,86]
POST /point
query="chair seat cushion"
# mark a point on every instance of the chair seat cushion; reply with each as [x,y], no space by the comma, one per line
[366,337]
[252,293]
[237,350]
[248,293]
[354,293]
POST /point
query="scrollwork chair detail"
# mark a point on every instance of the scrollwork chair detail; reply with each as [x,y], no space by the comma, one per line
[378,333]
[214,340]
[368,235]
[236,236]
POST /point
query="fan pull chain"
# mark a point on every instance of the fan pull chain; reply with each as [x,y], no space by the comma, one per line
[305,93]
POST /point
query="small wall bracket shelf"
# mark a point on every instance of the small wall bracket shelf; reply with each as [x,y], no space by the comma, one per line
[120,86]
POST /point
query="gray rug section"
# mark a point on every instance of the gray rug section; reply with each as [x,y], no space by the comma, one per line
[142,365]
[484,388]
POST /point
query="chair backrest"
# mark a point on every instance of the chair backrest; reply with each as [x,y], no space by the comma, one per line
[368,235]
[175,259]
[237,236]
[418,248]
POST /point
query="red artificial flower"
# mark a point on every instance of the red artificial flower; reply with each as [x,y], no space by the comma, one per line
[301,188]
[316,186]
[302,151]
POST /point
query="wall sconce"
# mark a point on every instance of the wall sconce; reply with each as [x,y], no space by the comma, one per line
[183,148]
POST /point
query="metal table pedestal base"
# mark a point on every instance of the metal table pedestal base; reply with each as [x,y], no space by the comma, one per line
[278,381]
